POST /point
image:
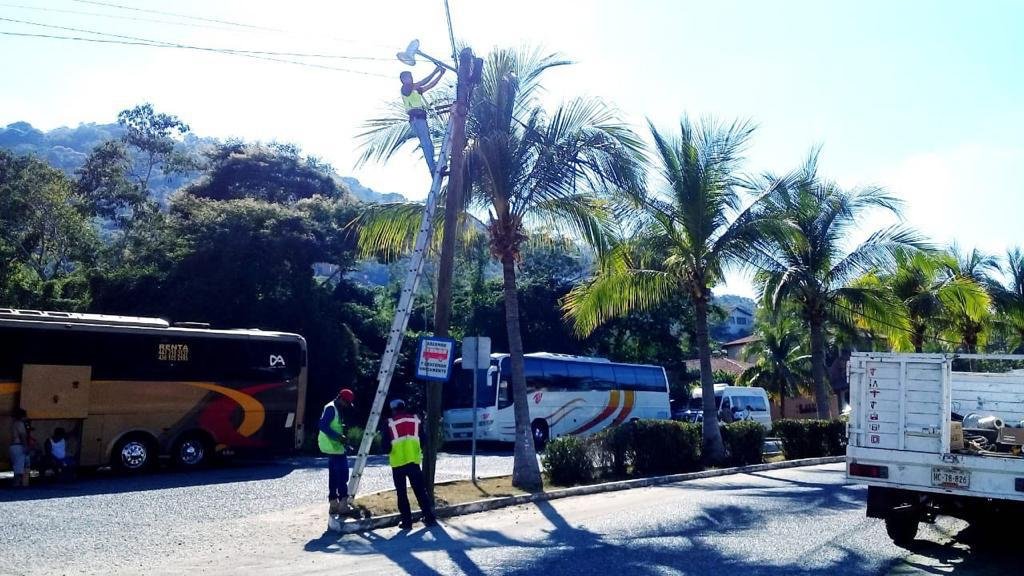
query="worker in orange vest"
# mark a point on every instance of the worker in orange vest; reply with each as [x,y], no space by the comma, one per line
[405,457]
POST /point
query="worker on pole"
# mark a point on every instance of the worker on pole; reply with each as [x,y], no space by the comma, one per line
[416,107]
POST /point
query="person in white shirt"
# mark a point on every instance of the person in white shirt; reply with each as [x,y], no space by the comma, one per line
[57,453]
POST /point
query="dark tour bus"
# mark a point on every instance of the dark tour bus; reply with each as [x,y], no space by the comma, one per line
[132,390]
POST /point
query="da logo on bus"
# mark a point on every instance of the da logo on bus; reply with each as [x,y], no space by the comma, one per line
[537,397]
[276,360]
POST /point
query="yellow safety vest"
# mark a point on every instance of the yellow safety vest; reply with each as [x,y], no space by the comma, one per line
[327,444]
[405,441]
[414,101]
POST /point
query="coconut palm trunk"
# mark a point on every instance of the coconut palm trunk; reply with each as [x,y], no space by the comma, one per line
[817,328]
[714,450]
[525,470]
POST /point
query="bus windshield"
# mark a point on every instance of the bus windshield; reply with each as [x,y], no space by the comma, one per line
[459,391]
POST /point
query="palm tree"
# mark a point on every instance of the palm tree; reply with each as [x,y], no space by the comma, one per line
[918,281]
[781,365]
[804,261]
[679,239]
[969,322]
[1009,299]
[526,167]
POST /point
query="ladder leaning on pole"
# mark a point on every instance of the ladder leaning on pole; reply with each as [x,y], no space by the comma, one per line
[405,301]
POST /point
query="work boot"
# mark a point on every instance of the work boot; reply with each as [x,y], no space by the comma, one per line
[335,506]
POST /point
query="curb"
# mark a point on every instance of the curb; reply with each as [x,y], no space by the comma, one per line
[389,520]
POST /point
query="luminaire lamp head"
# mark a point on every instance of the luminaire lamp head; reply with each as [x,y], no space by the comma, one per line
[408,56]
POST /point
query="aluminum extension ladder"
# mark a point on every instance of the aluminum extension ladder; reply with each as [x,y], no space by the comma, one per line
[405,302]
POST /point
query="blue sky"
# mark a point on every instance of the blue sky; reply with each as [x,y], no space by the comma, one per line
[923,98]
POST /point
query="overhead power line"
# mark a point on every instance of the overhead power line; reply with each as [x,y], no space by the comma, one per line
[113,16]
[178,15]
[234,25]
[176,45]
[187,47]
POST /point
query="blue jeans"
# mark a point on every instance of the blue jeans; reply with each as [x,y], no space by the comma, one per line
[419,127]
[337,477]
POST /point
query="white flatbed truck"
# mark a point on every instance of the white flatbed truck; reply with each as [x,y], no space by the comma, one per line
[904,445]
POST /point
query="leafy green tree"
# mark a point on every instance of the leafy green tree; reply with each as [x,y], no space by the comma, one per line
[46,242]
[271,173]
[918,281]
[969,320]
[684,235]
[781,364]
[1009,299]
[102,182]
[151,136]
[804,260]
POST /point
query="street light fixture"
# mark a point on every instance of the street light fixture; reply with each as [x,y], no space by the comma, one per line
[408,56]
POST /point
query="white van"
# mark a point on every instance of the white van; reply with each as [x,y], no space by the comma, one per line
[740,402]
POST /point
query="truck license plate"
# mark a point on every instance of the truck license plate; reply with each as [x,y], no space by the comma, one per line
[951,478]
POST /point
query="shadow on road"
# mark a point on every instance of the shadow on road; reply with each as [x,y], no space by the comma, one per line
[94,482]
[981,549]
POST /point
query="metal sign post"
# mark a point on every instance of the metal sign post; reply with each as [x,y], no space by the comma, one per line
[476,356]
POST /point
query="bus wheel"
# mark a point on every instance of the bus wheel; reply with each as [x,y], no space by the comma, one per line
[540,434]
[133,454]
[191,451]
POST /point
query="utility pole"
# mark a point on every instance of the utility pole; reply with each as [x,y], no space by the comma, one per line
[468,75]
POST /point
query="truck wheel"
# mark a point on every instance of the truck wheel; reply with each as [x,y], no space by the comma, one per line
[902,528]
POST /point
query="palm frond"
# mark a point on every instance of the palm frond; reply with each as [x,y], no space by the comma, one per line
[614,293]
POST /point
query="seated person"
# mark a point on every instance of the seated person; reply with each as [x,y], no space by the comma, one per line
[57,457]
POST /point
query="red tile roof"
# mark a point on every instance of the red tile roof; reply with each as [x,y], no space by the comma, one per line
[735,367]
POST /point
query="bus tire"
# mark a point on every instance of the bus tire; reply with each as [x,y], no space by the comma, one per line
[134,453]
[540,431]
[192,450]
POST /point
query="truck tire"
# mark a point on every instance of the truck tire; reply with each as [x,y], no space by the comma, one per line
[902,528]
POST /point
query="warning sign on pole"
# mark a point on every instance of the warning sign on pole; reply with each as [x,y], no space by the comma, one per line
[435,358]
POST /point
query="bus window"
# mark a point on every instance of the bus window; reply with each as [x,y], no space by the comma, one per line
[604,377]
[556,373]
[755,403]
[579,376]
[650,379]
[533,373]
[460,390]
[504,395]
[625,377]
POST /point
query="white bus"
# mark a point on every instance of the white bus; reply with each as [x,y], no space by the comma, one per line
[567,395]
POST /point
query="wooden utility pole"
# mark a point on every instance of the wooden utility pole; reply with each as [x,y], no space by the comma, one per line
[446,262]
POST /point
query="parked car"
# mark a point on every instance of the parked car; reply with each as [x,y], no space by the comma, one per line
[742,403]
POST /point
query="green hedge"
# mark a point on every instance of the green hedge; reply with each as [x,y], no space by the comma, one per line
[614,448]
[354,437]
[811,438]
[665,446]
[567,461]
[744,441]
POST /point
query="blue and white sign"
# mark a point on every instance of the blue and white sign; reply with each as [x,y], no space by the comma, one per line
[435,358]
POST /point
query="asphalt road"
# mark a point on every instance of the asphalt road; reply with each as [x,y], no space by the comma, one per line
[103,522]
[805,522]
